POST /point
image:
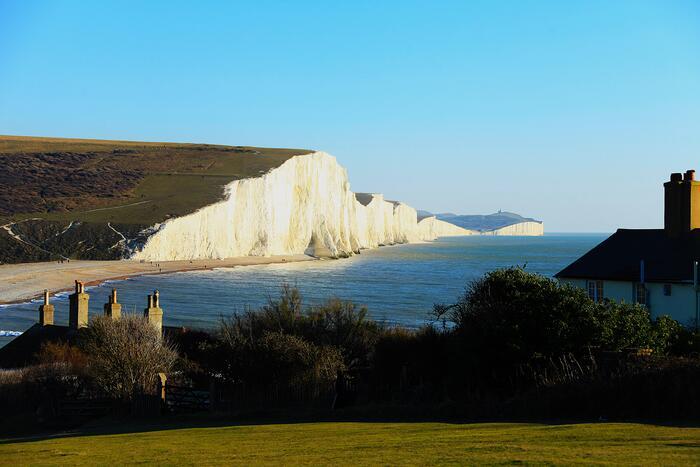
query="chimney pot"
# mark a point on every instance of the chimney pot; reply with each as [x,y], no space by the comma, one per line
[78,312]
[46,311]
[154,314]
[681,204]
[112,308]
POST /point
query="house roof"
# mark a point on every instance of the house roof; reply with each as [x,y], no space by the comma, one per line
[666,259]
[23,349]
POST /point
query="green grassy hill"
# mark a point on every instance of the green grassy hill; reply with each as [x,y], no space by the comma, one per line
[57,195]
[368,443]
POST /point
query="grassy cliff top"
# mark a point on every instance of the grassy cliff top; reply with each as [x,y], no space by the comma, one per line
[125,182]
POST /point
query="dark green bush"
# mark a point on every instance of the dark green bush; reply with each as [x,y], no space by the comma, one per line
[666,334]
[336,323]
[283,314]
[273,357]
[287,358]
[685,343]
[512,315]
[623,325]
[343,325]
[423,359]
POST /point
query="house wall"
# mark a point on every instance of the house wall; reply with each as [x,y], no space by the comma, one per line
[680,305]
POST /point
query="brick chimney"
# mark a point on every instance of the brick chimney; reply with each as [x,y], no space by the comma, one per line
[681,204]
[78,314]
[112,308]
[153,312]
[46,311]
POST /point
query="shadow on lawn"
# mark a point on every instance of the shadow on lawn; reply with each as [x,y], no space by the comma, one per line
[117,426]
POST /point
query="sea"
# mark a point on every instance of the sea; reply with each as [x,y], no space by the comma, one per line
[398,284]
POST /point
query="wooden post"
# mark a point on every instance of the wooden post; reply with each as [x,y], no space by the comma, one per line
[162,379]
[213,395]
[161,394]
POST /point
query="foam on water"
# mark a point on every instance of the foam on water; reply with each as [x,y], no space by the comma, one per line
[4,333]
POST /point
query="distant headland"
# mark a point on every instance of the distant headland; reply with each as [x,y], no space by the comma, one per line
[498,223]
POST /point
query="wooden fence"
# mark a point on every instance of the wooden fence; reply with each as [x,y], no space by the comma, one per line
[249,397]
[220,396]
[186,399]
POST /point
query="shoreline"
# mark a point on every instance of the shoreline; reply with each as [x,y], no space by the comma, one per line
[24,282]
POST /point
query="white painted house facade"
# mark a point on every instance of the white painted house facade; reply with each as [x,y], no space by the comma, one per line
[677,300]
[654,267]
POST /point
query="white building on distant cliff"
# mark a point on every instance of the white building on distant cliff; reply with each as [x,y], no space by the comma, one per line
[655,267]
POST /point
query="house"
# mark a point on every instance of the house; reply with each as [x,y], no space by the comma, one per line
[657,268]
[23,349]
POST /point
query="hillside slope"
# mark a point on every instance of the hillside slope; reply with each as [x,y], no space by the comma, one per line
[70,198]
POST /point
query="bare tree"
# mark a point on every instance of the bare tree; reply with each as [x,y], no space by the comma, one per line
[125,355]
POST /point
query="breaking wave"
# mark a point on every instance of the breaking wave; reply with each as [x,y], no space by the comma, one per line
[4,333]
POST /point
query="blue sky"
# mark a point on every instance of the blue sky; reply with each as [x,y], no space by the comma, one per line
[571,112]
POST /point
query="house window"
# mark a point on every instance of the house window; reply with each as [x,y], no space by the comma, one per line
[640,294]
[595,290]
[667,290]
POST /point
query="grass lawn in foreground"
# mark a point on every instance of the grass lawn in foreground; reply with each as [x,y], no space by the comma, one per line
[371,443]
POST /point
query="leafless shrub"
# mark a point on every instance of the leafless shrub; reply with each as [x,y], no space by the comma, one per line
[567,368]
[126,355]
[11,377]
[63,353]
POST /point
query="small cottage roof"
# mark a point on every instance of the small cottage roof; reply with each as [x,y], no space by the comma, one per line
[666,258]
[23,349]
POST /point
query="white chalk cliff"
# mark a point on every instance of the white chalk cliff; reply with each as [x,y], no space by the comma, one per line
[303,206]
[529,228]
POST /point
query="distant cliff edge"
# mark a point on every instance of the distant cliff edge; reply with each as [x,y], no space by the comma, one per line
[499,223]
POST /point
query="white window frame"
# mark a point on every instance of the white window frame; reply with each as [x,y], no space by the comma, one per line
[596,290]
[641,288]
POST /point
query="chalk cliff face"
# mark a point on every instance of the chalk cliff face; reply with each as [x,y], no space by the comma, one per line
[520,229]
[431,227]
[498,223]
[303,206]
